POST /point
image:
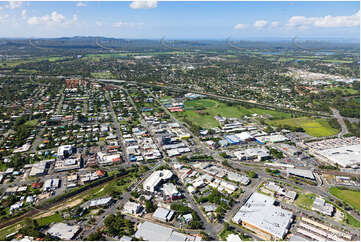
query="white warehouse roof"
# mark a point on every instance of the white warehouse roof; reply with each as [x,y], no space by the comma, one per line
[260,212]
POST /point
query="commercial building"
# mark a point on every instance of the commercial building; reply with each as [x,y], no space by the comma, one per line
[259,154]
[321,206]
[51,184]
[271,139]
[68,164]
[63,231]
[346,156]
[64,151]
[163,214]
[155,232]
[152,182]
[171,191]
[260,215]
[301,173]
[132,208]
[39,169]
[105,159]
[101,202]
[238,178]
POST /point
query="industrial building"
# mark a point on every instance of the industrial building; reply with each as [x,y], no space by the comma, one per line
[346,156]
[132,208]
[163,214]
[155,232]
[321,206]
[63,231]
[171,191]
[258,154]
[260,215]
[271,139]
[152,182]
[301,173]
[101,202]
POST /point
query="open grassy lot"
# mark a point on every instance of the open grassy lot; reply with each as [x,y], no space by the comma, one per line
[201,112]
[49,219]
[33,122]
[305,200]
[345,91]
[106,75]
[349,196]
[314,127]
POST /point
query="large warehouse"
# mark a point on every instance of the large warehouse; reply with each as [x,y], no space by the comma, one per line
[346,156]
[261,216]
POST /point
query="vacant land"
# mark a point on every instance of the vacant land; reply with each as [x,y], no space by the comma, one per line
[314,127]
[202,112]
[349,196]
[305,200]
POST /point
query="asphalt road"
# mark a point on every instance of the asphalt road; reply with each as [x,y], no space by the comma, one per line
[340,120]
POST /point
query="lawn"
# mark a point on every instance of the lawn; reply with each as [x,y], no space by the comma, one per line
[33,122]
[105,75]
[351,220]
[345,91]
[50,219]
[201,112]
[313,127]
[349,196]
[305,200]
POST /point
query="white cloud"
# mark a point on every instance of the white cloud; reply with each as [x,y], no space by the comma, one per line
[81,4]
[240,26]
[99,23]
[23,14]
[144,4]
[260,23]
[1,8]
[326,21]
[275,24]
[53,19]
[125,24]
[14,4]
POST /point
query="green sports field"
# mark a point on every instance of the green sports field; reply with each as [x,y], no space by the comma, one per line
[201,112]
[314,127]
[349,196]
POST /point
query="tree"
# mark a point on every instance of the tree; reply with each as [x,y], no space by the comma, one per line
[251,174]
[150,207]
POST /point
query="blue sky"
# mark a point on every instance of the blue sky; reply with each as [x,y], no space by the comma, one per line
[181,20]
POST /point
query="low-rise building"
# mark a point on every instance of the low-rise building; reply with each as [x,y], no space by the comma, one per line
[101,202]
[163,214]
[154,180]
[321,206]
[63,231]
[132,208]
[260,215]
[155,232]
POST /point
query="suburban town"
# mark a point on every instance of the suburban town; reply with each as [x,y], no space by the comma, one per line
[178,141]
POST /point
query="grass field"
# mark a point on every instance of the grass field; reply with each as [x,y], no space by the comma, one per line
[349,196]
[314,127]
[201,112]
[33,122]
[351,220]
[345,91]
[305,200]
[105,75]
[50,219]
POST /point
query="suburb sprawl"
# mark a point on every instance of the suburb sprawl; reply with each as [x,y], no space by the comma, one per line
[204,143]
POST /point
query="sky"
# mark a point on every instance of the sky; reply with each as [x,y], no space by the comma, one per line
[153,19]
